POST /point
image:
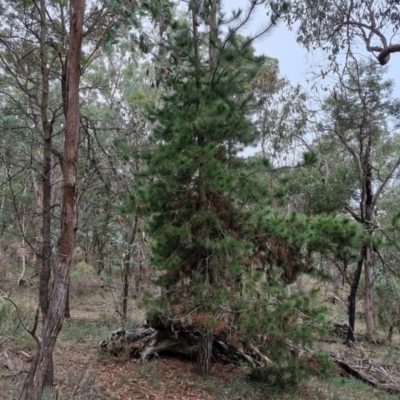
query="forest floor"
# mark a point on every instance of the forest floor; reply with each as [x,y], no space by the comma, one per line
[82,372]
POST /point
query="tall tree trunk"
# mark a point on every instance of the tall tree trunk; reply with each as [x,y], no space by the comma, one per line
[34,382]
[369,217]
[45,272]
[64,96]
[206,339]
[367,209]
[204,356]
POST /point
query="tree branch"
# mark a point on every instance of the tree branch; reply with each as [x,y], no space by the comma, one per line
[384,55]
[383,184]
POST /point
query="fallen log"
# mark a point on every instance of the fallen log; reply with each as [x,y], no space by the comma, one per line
[380,376]
[145,342]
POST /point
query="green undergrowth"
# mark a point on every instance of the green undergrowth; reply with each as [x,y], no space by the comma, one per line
[83,331]
[342,388]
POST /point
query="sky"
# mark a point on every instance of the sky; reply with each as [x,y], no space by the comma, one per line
[294,60]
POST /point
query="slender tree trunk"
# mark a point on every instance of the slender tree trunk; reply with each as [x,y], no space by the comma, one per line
[395,310]
[64,96]
[125,287]
[369,216]
[45,272]
[100,237]
[67,312]
[126,270]
[369,311]
[100,258]
[35,380]
[375,267]
[352,297]
[144,267]
[46,198]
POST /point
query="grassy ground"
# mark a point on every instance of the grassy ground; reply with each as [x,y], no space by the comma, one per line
[81,372]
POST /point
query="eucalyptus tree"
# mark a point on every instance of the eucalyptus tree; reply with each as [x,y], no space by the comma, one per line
[33,56]
[336,26]
[39,369]
[359,127]
[34,50]
[26,63]
[280,115]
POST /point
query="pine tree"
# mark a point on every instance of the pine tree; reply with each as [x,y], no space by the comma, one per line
[200,203]
[222,253]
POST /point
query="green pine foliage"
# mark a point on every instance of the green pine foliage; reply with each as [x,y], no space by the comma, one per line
[205,121]
[224,257]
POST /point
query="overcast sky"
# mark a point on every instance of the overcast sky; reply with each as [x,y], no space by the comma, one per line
[294,61]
